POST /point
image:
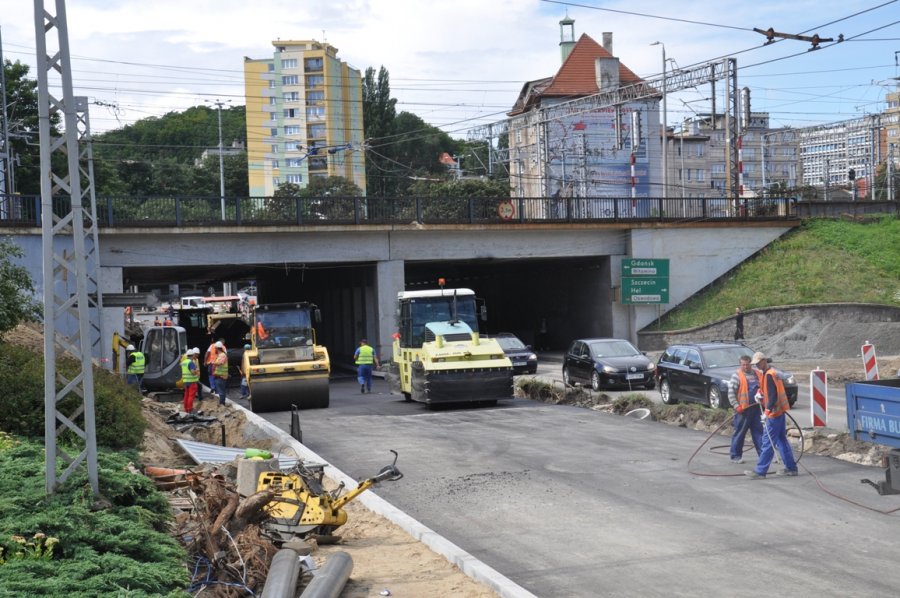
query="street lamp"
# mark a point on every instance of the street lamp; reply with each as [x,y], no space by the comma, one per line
[665,147]
[219,103]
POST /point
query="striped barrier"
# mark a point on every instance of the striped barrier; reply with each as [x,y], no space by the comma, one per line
[870,363]
[818,404]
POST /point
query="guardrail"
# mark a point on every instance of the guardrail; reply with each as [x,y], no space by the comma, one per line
[19,210]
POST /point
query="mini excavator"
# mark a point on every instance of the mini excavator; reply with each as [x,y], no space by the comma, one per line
[303,508]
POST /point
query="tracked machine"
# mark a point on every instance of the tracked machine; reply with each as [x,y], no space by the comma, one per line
[284,365]
[439,356]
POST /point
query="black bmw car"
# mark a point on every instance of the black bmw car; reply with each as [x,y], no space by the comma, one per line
[523,358]
[700,373]
[607,363]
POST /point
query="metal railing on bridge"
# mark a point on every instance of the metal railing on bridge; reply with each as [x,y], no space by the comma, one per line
[130,212]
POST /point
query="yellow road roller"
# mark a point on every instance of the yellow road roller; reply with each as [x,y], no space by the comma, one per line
[284,365]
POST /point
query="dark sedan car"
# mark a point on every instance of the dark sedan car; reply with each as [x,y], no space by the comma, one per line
[700,373]
[522,356]
[606,363]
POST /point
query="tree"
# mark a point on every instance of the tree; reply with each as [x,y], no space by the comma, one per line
[16,289]
[22,122]
[379,112]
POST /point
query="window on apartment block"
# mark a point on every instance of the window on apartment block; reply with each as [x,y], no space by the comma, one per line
[291,96]
[315,112]
[272,84]
[276,182]
[271,66]
[699,150]
[292,130]
[314,81]
[317,131]
[290,80]
[313,64]
[274,164]
[698,175]
[288,63]
[295,178]
[318,163]
[273,100]
[294,162]
[290,113]
[314,98]
[273,132]
[274,148]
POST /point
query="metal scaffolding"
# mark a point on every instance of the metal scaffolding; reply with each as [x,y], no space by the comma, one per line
[69,250]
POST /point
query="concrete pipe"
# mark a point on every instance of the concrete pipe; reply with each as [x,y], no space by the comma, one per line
[329,581]
[283,575]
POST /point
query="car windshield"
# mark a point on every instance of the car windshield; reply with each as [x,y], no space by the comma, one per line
[613,349]
[284,328]
[510,342]
[725,356]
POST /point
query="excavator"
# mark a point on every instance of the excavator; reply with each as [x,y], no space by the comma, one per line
[284,365]
[439,356]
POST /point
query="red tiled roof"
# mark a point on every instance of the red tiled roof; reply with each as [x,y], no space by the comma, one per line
[577,76]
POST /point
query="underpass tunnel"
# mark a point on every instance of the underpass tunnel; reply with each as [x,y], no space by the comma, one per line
[545,302]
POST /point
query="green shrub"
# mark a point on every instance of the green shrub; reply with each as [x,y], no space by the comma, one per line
[119,550]
[117,406]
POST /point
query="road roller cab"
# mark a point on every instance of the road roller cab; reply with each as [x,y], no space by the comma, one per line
[284,365]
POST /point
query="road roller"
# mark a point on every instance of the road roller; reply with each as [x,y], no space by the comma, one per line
[285,366]
[439,356]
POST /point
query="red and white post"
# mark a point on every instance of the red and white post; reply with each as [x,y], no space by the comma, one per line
[870,362]
[818,404]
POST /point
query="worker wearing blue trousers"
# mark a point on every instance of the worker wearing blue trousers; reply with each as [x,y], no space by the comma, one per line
[742,389]
[774,405]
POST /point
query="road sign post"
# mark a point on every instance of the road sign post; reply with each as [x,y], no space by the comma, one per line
[645,281]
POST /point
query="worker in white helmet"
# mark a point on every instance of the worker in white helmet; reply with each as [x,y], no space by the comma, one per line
[135,362]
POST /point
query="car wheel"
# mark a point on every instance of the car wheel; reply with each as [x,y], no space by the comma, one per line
[566,380]
[595,380]
[665,393]
[715,397]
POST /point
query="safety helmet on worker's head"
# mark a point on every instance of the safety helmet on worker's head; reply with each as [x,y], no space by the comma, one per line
[129,348]
[219,345]
[195,351]
[247,347]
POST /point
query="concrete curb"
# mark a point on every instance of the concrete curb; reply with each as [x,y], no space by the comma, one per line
[467,563]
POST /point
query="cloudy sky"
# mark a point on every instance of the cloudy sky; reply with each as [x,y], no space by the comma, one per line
[459,64]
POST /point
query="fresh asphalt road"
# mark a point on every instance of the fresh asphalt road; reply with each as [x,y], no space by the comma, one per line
[568,501]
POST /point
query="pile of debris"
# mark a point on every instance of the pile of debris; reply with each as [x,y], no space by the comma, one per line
[235,507]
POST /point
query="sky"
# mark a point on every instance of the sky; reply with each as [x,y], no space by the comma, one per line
[461,64]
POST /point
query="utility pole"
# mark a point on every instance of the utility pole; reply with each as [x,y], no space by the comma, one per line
[665,125]
[219,103]
[65,222]
[7,186]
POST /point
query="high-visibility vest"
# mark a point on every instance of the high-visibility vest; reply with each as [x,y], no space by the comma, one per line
[221,370]
[782,405]
[365,355]
[261,332]
[188,376]
[211,354]
[137,366]
[743,393]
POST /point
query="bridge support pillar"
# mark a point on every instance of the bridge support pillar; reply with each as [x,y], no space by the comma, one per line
[390,280]
[112,318]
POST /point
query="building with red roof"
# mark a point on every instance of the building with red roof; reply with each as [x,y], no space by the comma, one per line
[563,146]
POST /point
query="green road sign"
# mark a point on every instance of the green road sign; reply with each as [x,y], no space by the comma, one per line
[645,267]
[645,281]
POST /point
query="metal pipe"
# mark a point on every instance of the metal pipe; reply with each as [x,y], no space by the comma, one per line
[283,575]
[330,580]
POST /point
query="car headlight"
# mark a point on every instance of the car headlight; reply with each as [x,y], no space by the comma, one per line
[791,380]
[532,357]
[651,366]
[608,369]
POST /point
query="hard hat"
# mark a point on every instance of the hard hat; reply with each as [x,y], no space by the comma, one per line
[219,345]
[195,351]
[129,348]
[247,347]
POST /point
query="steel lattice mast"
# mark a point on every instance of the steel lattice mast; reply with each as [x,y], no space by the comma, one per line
[68,228]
